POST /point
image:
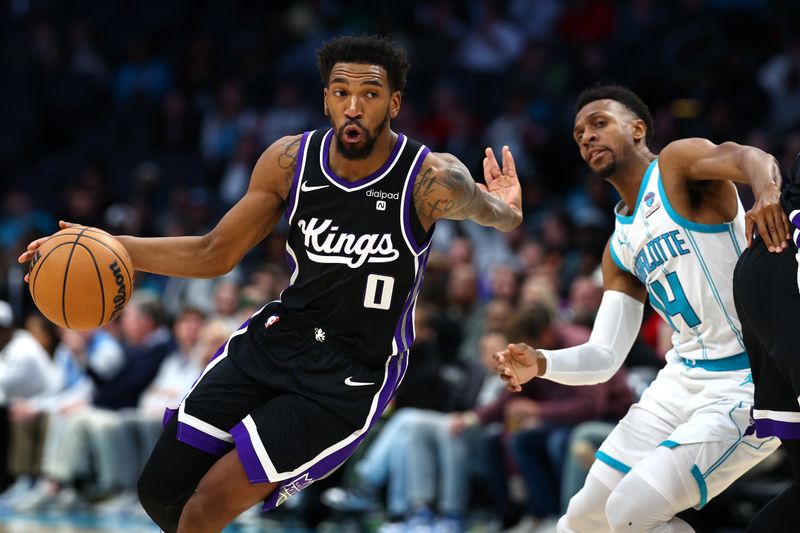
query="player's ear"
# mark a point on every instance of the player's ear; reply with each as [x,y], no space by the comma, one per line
[325,102]
[394,104]
[639,130]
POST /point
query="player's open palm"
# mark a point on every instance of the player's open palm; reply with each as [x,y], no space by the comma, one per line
[503,183]
[516,365]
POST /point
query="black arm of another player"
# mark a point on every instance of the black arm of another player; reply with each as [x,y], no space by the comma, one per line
[445,189]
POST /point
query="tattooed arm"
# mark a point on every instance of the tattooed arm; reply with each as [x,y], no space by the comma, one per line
[445,189]
[243,226]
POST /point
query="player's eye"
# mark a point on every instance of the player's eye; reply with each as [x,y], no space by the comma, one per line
[338,92]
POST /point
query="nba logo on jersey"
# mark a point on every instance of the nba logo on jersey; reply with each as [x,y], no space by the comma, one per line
[649,199]
[380,205]
[271,321]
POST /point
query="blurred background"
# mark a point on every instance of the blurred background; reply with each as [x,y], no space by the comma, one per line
[146,118]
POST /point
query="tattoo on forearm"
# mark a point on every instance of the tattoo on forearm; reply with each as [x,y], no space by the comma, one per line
[443,206]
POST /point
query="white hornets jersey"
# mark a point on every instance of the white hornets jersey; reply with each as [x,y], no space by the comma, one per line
[687,268]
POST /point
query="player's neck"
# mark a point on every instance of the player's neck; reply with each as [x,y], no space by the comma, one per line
[627,180]
[356,169]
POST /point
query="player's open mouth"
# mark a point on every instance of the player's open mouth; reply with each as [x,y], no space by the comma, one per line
[352,134]
[595,155]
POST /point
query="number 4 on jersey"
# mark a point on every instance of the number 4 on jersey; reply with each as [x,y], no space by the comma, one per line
[678,305]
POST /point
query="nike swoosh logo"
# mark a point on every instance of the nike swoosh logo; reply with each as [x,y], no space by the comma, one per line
[349,381]
[305,187]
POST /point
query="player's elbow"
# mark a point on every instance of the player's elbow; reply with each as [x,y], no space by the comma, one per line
[218,257]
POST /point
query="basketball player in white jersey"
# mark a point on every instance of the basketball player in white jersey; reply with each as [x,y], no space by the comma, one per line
[679,230]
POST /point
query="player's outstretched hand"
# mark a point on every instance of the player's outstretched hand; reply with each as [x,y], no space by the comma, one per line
[27,255]
[503,183]
[768,216]
[516,365]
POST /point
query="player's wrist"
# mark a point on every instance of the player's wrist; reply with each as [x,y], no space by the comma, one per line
[541,363]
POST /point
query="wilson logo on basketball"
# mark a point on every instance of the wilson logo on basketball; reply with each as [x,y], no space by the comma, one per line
[329,246]
[122,291]
[36,256]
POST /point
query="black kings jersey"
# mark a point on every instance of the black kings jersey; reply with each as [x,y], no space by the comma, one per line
[357,250]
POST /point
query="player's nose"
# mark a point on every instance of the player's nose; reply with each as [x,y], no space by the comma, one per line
[353,109]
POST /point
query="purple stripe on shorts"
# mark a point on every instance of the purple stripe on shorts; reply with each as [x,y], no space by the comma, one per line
[202,441]
[326,148]
[327,464]
[766,427]
[296,178]
[168,414]
[247,454]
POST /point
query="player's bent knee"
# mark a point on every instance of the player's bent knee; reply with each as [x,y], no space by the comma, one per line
[164,515]
[585,512]
[629,514]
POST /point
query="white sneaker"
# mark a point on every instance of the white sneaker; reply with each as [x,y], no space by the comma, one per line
[119,504]
[22,485]
[39,496]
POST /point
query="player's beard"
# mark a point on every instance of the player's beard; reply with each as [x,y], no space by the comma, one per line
[607,171]
[354,152]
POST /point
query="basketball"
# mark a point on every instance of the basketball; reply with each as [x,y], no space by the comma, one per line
[81,278]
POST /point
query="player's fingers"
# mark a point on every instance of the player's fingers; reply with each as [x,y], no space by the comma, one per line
[787,226]
[27,278]
[749,225]
[64,225]
[490,157]
[509,168]
[781,230]
[518,350]
[766,228]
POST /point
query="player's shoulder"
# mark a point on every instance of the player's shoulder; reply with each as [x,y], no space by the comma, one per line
[682,152]
[275,167]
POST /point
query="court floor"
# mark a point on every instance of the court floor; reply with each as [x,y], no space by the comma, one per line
[84,522]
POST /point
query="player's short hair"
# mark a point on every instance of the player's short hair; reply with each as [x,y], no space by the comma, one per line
[622,95]
[365,50]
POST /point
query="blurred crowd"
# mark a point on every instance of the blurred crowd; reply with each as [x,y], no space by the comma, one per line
[146,118]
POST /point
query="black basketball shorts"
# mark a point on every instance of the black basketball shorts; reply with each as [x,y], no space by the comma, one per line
[292,405]
[765,288]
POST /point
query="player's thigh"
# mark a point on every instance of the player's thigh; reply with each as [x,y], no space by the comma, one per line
[635,436]
[224,394]
[290,432]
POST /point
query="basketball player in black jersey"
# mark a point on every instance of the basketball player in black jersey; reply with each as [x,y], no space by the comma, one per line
[766,291]
[291,394]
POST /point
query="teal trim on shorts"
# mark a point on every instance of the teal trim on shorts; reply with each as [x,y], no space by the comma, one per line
[669,444]
[613,463]
[735,362]
[701,484]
